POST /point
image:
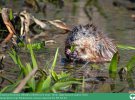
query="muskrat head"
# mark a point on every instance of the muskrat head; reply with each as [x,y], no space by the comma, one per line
[89,45]
[80,31]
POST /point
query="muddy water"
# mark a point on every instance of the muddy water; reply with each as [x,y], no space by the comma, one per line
[114,21]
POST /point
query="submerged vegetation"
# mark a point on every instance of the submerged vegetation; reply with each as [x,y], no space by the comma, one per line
[24,33]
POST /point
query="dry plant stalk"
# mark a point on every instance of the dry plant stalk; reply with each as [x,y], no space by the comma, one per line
[6,20]
[38,22]
[60,24]
[25,23]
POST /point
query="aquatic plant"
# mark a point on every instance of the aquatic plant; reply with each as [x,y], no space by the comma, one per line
[125,47]
[114,64]
[113,68]
[49,80]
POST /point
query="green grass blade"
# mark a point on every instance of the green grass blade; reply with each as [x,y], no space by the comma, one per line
[63,74]
[0,9]
[44,84]
[9,88]
[113,75]
[36,46]
[47,84]
[60,85]
[10,14]
[55,59]
[16,59]
[39,85]
[20,63]
[130,80]
[131,64]
[54,75]
[83,84]
[31,82]
[114,63]
[34,62]
[13,57]
[126,47]
[5,88]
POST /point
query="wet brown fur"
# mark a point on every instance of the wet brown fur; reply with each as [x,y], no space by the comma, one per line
[90,44]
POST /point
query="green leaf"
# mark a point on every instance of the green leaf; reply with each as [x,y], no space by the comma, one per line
[34,62]
[126,47]
[13,57]
[47,83]
[59,85]
[31,82]
[10,14]
[39,85]
[114,63]
[83,85]
[131,64]
[9,88]
[54,75]
[0,10]
[112,75]
[130,80]
[28,67]
[44,84]
[5,88]
[55,59]
[72,48]
[16,59]
[36,46]
[63,75]
[20,63]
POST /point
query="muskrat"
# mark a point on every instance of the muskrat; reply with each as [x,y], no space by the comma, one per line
[87,43]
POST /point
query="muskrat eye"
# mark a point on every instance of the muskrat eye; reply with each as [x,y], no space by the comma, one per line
[83,50]
[84,33]
[75,30]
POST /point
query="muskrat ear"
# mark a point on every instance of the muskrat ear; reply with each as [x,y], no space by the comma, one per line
[94,28]
[87,26]
[75,29]
[80,26]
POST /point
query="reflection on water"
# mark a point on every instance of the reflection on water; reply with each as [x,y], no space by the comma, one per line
[114,20]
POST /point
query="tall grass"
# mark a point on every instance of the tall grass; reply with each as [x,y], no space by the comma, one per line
[47,82]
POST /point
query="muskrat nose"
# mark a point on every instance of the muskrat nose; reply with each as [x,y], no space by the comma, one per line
[71,54]
[68,51]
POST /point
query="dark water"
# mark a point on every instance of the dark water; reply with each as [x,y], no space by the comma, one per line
[113,20]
